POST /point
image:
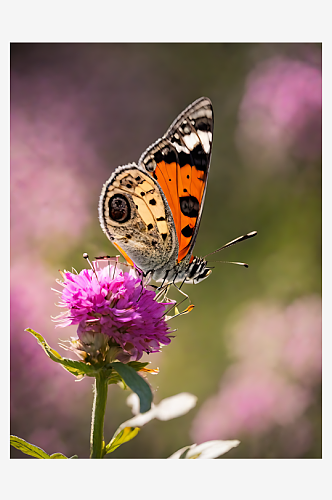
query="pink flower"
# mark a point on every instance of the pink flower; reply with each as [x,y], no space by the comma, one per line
[280,113]
[37,385]
[112,304]
[285,339]
[249,401]
[275,378]
[50,165]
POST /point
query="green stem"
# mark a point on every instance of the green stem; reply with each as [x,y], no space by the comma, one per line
[98,414]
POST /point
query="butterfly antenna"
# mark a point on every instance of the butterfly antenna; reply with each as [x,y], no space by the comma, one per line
[230,262]
[233,242]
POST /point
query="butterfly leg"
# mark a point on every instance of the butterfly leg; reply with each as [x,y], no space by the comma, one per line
[181,291]
[162,291]
[186,296]
[185,311]
[163,283]
[142,284]
[143,277]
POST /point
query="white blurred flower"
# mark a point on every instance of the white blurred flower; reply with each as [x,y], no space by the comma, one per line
[168,408]
[209,449]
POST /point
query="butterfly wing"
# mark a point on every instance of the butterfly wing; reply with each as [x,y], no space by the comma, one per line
[135,216]
[180,163]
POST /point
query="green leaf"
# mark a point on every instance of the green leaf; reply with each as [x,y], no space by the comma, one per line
[122,437]
[114,378]
[58,455]
[32,450]
[77,368]
[27,448]
[137,365]
[136,383]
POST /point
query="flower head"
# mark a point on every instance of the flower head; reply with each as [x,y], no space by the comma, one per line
[117,315]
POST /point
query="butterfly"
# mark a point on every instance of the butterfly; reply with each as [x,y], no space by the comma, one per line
[151,211]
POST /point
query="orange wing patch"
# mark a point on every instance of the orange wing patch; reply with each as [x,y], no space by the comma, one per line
[191,185]
[124,255]
[166,175]
[184,189]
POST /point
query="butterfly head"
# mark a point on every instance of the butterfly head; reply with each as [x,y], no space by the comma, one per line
[197,271]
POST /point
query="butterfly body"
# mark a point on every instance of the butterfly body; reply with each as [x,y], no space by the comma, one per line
[151,211]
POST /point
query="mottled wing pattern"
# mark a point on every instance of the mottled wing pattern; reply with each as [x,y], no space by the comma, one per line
[180,163]
[134,216]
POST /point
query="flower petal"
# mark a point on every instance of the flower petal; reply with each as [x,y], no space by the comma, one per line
[175,406]
[168,408]
[209,449]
